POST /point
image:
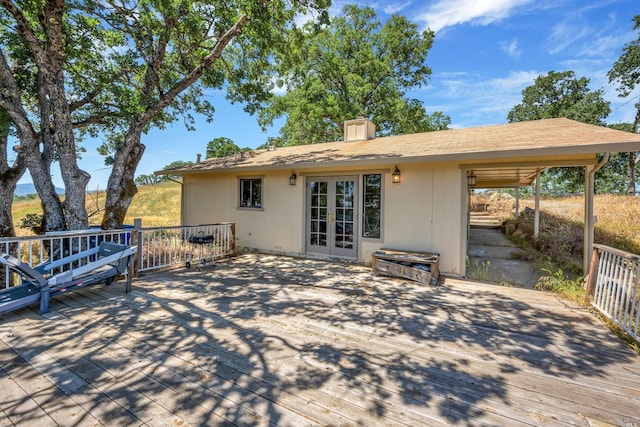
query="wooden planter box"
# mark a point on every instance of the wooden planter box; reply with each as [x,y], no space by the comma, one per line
[419,266]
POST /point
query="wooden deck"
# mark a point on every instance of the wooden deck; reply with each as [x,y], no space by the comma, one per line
[263,340]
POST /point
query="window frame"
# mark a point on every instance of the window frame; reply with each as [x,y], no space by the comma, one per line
[256,203]
[379,236]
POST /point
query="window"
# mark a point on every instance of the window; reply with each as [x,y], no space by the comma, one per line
[251,193]
[372,206]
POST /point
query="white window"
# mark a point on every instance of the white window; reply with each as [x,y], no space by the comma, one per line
[251,193]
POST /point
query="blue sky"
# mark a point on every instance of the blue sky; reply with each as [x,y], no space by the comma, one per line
[485,53]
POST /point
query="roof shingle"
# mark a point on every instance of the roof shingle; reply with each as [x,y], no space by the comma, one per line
[541,137]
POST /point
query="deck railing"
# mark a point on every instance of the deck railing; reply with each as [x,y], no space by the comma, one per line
[158,247]
[166,247]
[614,287]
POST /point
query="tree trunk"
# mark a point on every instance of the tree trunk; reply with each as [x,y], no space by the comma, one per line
[9,177]
[75,179]
[631,174]
[7,189]
[122,187]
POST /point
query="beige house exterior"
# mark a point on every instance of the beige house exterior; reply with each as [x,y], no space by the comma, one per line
[320,200]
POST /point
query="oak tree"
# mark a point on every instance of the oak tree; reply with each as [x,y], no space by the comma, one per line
[221,147]
[354,66]
[626,73]
[561,94]
[115,69]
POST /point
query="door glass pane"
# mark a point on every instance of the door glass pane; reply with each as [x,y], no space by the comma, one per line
[322,188]
[350,187]
[323,214]
[348,228]
[348,215]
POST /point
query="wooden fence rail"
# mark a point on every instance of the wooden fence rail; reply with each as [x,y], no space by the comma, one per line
[158,247]
[613,287]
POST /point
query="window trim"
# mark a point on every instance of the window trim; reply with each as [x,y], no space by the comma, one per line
[240,193]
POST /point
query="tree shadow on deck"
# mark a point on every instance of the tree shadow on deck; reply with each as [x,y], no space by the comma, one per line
[271,340]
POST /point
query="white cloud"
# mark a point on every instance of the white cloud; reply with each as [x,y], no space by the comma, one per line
[473,100]
[566,34]
[395,7]
[446,13]
[512,49]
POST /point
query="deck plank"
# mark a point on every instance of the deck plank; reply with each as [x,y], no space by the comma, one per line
[265,340]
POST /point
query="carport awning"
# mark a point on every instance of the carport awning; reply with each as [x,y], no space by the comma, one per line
[506,177]
[521,173]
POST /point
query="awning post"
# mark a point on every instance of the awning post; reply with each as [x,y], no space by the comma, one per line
[536,218]
[589,218]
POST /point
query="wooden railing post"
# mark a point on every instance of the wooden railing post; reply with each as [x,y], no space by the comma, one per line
[233,239]
[136,241]
[592,278]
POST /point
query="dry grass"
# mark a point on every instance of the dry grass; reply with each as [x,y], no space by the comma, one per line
[618,223]
[562,224]
[157,205]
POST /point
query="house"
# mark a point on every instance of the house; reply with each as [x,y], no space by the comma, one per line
[350,198]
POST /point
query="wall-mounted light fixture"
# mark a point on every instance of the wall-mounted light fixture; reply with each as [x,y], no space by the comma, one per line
[292,178]
[471,179]
[396,175]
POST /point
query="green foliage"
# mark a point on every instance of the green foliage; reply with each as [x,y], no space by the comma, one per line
[33,222]
[561,94]
[25,197]
[626,70]
[154,179]
[610,179]
[556,281]
[150,179]
[478,270]
[174,165]
[354,66]
[221,147]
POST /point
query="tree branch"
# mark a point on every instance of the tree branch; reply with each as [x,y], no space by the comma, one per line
[24,29]
[10,100]
[196,73]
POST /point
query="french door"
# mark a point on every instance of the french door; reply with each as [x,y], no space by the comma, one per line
[331,215]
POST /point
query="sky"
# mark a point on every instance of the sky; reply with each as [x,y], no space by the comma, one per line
[484,54]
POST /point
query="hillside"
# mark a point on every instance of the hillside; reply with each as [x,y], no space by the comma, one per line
[157,205]
[29,188]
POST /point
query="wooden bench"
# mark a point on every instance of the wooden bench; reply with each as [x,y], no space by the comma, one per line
[419,266]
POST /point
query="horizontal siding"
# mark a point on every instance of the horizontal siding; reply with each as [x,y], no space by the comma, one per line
[422,213]
[275,227]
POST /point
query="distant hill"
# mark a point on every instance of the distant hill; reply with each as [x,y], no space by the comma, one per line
[25,189]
